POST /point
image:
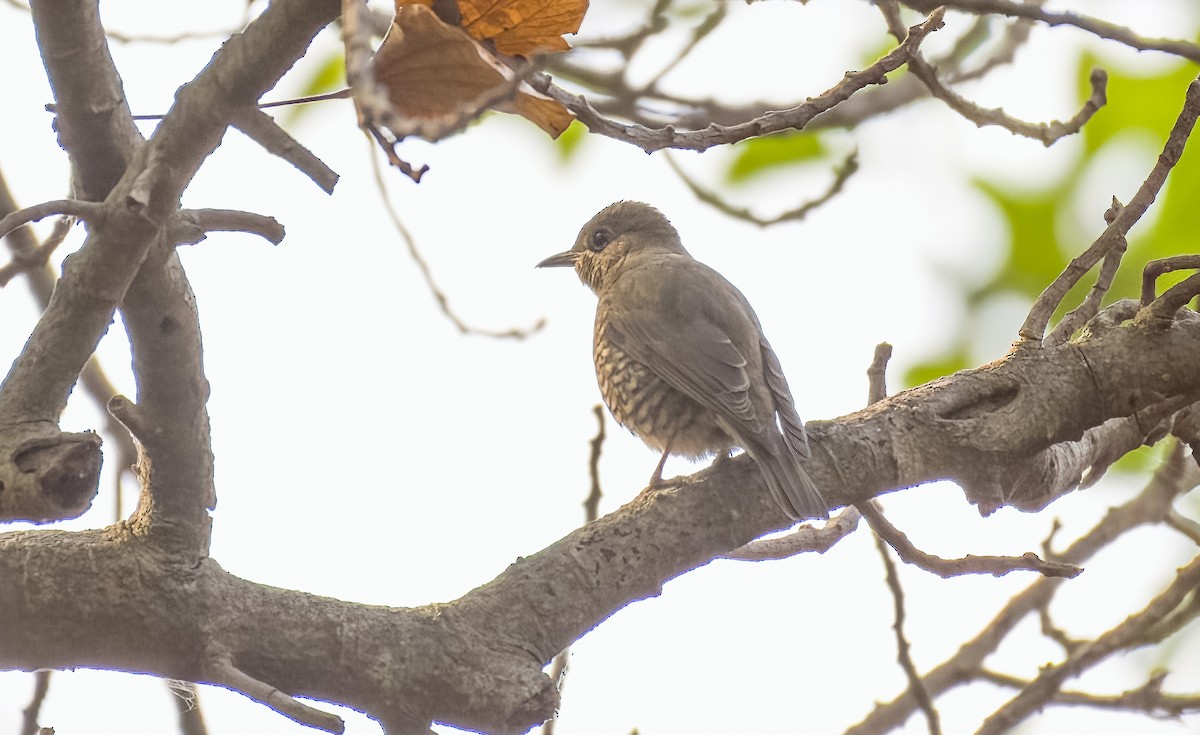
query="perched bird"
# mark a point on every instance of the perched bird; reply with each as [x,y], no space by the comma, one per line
[680,356]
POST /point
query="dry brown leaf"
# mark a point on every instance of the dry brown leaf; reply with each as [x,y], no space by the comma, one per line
[523,27]
[432,71]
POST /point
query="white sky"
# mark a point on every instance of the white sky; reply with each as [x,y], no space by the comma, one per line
[367,451]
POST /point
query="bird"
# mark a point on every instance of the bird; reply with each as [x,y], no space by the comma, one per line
[681,359]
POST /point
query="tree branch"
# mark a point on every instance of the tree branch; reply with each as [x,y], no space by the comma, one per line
[1047,133]
[1095,26]
[795,118]
[967,664]
[1114,235]
[262,129]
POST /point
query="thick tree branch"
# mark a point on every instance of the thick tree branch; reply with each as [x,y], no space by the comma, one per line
[35,500]
[136,213]
[973,427]
[393,663]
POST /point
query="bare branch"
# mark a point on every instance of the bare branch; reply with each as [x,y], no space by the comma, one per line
[804,538]
[187,704]
[38,256]
[235,220]
[591,511]
[1114,235]
[591,505]
[795,118]
[967,664]
[1148,698]
[262,129]
[1047,133]
[915,683]
[842,174]
[877,373]
[1156,268]
[1184,525]
[68,207]
[1095,26]
[1175,298]
[997,566]
[439,296]
[41,687]
[1090,307]
[226,672]
[1050,678]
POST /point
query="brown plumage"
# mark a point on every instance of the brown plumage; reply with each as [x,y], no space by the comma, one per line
[680,356]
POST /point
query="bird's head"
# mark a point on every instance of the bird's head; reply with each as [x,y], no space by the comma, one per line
[619,233]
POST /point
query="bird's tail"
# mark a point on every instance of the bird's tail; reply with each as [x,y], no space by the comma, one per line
[789,484]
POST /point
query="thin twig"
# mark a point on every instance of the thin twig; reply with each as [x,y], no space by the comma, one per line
[591,511]
[841,174]
[1113,236]
[804,539]
[439,296]
[591,505]
[628,43]
[1175,298]
[1095,26]
[1090,307]
[1157,268]
[1054,632]
[997,566]
[877,391]
[226,673]
[1184,525]
[1148,698]
[1150,506]
[235,220]
[794,118]
[262,129]
[903,656]
[1126,634]
[71,207]
[22,260]
[699,33]
[187,705]
[31,713]
[1047,133]
[877,373]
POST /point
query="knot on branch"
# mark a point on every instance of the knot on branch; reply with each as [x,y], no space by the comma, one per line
[48,477]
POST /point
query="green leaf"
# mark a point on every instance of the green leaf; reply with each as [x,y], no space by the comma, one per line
[938,367]
[756,155]
[1035,257]
[569,141]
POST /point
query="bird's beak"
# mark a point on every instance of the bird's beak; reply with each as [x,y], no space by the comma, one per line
[560,261]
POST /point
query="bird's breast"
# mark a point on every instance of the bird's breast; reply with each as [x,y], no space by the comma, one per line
[650,407]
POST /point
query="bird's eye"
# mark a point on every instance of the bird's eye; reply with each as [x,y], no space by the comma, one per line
[600,238]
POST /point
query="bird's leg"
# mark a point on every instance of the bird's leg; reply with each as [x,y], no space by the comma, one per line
[721,458]
[656,480]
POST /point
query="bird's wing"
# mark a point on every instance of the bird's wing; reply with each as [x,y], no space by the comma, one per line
[789,420]
[685,346]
